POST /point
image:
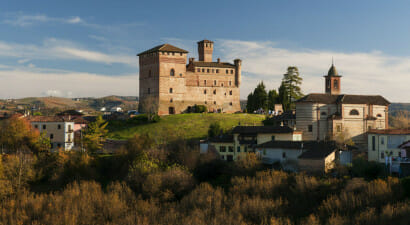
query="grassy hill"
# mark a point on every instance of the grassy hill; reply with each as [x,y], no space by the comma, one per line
[188,126]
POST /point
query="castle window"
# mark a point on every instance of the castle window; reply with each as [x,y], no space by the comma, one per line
[230,83]
[354,112]
[335,84]
[173,53]
[206,102]
[213,71]
[230,92]
[231,71]
[230,103]
[217,71]
[379,115]
[214,92]
[222,84]
[149,90]
[323,113]
[180,74]
[207,70]
[204,91]
[338,128]
[172,72]
[170,90]
[171,100]
[214,82]
[51,136]
[167,53]
[205,82]
[227,71]
[203,70]
[198,70]
[310,128]
[214,102]
[180,54]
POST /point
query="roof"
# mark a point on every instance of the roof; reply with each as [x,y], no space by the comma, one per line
[282,144]
[344,99]
[261,129]
[333,72]
[48,119]
[389,131]
[318,150]
[405,144]
[163,48]
[205,41]
[222,139]
[213,64]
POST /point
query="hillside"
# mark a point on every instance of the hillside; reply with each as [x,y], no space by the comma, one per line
[188,126]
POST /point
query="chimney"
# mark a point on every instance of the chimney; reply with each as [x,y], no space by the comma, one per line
[219,60]
[191,60]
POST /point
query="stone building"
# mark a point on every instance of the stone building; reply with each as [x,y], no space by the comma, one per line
[168,85]
[324,116]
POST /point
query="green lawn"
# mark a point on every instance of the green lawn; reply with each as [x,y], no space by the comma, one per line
[187,126]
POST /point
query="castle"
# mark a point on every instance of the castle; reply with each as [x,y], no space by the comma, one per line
[167,85]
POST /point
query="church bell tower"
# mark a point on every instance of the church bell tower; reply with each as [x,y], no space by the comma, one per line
[332,83]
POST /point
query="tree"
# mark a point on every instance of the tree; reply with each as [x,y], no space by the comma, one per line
[258,99]
[16,135]
[401,120]
[214,130]
[149,105]
[292,81]
[283,97]
[95,135]
[273,98]
[250,106]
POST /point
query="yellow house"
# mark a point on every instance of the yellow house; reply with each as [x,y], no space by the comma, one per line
[386,142]
[245,138]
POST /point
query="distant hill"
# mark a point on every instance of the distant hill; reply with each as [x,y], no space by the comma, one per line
[396,107]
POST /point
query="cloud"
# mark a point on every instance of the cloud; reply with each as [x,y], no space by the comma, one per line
[55,49]
[27,82]
[74,20]
[23,20]
[372,73]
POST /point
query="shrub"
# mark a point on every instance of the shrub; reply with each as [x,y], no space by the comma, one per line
[200,109]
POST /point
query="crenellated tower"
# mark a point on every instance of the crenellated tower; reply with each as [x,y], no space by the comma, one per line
[205,50]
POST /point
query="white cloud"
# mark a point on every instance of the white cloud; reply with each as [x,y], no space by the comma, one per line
[26,82]
[54,49]
[23,20]
[74,20]
[371,73]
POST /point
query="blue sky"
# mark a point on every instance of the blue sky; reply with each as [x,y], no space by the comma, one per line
[87,48]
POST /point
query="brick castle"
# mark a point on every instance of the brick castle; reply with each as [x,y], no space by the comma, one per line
[167,85]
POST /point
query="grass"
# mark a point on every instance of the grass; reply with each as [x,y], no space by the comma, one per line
[187,126]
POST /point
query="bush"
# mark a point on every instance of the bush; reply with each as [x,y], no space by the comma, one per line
[200,109]
[368,170]
[214,130]
[155,118]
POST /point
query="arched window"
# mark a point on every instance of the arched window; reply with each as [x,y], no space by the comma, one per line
[222,84]
[336,84]
[207,70]
[172,72]
[214,92]
[379,115]
[354,112]
[171,100]
[198,70]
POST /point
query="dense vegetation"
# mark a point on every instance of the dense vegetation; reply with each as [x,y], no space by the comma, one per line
[187,126]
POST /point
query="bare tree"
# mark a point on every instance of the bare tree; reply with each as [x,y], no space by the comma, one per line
[149,105]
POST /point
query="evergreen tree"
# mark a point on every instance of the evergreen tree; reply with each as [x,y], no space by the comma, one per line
[283,97]
[273,98]
[250,103]
[292,81]
[260,97]
[95,135]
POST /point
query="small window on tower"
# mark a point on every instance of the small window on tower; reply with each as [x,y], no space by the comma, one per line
[171,100]
[172,72]
[222,84]
[205,82]
[336,84]
[230,103]
[227,71]
[231,71]
[213,71]
[203,70]
[170,90]
[214,92]
[217,71]
[204,91]
[173,53]
[310,128]
[214,102]
[207,70]
[180,54]
[214,82]
[230,92]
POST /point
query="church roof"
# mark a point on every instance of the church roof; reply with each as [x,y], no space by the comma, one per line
[164,48]
[344,99]
[213,64]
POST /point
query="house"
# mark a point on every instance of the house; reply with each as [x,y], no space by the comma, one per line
[244,138]
[60,130]
[309,156]
[387,142]
[324,116]
[116,109]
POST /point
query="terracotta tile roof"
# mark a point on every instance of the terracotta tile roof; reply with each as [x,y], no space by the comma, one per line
[163,48]
[47,119]
[213,64]
[344,99]
[261,129]
[389,131]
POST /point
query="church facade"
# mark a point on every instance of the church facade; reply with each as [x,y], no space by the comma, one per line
[323,116]
[170,85]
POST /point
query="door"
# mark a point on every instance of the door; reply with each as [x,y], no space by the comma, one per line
[171,110]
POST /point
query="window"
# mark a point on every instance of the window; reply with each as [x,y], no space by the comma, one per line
[206,102]
[284,155]
[173,53]
[213,70]
[58,145]
[214,102]
[69,127]
[44,127]
[59,126]
[336,84]
[222,84]
[230,92]
[203,70]
[180,74]
[222,157]
[246,149]
[374,143]
[205,92]
[198,70]
[273,138]
[382,155]
[328,83]
[170,90]
[214,92]
[36,126]
[171,100]
[379,115]
[264,151]
[323,113]
[180,54]
[51,136]
[338,128]
[167,53]
[222,149]
[217,71]
[205,82]
[310,128]
[172,72]
[230,149]
[369,127]
[230,103]
[231,71]
[230,83]
[227,71]
[214,82]
[149,73]
[149,90]
[51,145]
[354,112]
[207,70]
[382,140]
[238,149]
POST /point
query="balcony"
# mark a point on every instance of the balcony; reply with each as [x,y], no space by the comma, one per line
[70,131]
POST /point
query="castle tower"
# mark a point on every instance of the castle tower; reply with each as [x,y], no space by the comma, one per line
[332,83]
[238,65]
[205,49]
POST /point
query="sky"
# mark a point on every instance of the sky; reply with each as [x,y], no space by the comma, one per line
[88,48]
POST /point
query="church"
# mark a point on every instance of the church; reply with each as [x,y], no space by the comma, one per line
[168,85]
[322,116]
